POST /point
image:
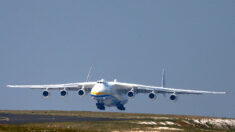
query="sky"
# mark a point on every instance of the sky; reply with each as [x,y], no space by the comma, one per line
[56,41]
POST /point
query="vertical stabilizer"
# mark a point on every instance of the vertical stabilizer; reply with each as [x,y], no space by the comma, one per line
[163,78]
[88,75]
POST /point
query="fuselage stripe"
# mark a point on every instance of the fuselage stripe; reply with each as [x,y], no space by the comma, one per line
[105,95]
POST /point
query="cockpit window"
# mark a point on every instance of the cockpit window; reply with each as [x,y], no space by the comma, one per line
[101,81]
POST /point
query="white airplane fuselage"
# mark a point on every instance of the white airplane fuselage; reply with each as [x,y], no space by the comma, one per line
[106,93]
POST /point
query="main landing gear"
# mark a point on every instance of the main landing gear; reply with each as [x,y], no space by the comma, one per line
[100,106]
[120,106]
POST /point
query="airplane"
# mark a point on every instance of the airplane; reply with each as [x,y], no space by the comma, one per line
[114,93]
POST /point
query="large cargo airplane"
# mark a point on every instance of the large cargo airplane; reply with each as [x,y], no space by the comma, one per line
[113,93]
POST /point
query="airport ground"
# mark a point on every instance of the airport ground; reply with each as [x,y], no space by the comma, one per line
[72,121]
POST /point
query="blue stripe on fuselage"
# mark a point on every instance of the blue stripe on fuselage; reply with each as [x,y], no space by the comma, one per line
[105,95]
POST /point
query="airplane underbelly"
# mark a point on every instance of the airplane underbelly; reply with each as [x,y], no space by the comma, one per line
[109,100]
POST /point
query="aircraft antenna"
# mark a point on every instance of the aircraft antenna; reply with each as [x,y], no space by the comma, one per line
[88,75]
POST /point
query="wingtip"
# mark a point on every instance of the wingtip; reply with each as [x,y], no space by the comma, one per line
[8,86]
[223,92]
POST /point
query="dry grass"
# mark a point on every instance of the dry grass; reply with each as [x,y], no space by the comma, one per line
[132,122]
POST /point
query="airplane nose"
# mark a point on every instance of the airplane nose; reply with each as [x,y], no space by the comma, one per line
[99,89]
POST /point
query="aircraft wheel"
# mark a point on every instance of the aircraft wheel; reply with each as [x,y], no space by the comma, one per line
[120,106]
[100,106]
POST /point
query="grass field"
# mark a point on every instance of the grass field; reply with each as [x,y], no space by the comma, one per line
[122,122]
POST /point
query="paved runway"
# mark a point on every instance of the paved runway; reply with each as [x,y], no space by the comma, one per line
[27,118]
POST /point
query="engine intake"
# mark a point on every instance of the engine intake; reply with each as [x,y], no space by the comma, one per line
[131,94]
[152,96]
[173,97]
[81,92]
[45,93]
[63,93]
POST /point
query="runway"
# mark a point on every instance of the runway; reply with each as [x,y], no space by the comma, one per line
[27,118]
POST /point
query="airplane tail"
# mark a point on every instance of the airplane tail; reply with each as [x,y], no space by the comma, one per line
[163,78]
[88,75]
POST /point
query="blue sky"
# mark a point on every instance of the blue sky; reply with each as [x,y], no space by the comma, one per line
[46,42]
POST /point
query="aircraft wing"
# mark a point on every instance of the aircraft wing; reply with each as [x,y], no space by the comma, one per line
[69,86]
[138,88]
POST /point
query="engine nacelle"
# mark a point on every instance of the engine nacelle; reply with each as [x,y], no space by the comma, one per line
[81,92]
[131,94]
[63,93]
[173,97]
[152,96]
[45,93]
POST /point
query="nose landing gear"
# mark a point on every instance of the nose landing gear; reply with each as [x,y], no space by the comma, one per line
[100,106]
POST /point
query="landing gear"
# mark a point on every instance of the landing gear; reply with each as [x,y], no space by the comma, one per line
[100,106]
[120,106]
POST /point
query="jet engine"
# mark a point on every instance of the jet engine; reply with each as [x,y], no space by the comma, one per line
[173,97]
[152,96]
[131,94]
[63,93]
[81,92]
[45,93]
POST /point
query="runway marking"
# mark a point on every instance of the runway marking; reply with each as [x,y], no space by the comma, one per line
[4,119]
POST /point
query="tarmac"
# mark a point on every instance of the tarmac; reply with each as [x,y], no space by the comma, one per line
[27,118]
